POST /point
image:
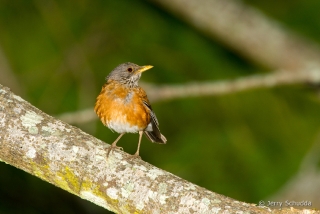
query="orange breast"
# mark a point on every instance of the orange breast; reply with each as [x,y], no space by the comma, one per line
[121,109]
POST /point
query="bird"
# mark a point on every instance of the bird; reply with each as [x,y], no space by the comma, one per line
[123,106]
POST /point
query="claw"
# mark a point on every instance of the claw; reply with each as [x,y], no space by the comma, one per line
[112,147]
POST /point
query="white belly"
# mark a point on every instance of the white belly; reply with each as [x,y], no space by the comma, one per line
[121,127]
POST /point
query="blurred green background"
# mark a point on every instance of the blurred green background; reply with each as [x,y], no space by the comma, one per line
[56,54]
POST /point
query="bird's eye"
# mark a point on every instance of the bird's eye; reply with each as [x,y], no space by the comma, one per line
[130,69]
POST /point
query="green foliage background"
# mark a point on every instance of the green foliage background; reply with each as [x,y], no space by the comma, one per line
[245,145]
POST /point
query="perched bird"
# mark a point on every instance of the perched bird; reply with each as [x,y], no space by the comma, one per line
[123,106]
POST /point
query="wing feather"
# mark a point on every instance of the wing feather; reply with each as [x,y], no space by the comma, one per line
[154,135]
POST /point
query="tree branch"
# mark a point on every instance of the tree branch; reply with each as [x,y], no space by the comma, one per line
[214,88]
[248,31]
[76,162]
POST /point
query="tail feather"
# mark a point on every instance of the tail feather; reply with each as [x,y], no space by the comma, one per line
[155,138]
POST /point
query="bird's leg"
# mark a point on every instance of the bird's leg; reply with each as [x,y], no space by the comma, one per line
[114,145]
[138,149]
[136,155]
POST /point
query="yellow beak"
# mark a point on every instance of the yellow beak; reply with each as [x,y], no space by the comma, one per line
[143,69]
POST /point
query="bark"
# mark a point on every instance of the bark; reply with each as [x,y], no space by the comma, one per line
[76,162]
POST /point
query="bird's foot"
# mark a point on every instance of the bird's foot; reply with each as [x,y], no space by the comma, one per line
[111,148]
[135,156]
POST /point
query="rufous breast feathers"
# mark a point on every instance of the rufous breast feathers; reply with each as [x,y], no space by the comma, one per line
[121,110]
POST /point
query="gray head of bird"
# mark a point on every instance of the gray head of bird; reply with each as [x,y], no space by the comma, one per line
[128,73]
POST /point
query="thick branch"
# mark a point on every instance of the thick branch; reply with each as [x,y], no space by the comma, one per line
[75,161]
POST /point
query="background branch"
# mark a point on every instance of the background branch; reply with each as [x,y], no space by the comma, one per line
[214,88]
[248,31]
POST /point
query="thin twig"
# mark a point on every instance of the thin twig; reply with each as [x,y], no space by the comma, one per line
[214,88]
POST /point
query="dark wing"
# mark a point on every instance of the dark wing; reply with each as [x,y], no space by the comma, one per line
[155,135]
